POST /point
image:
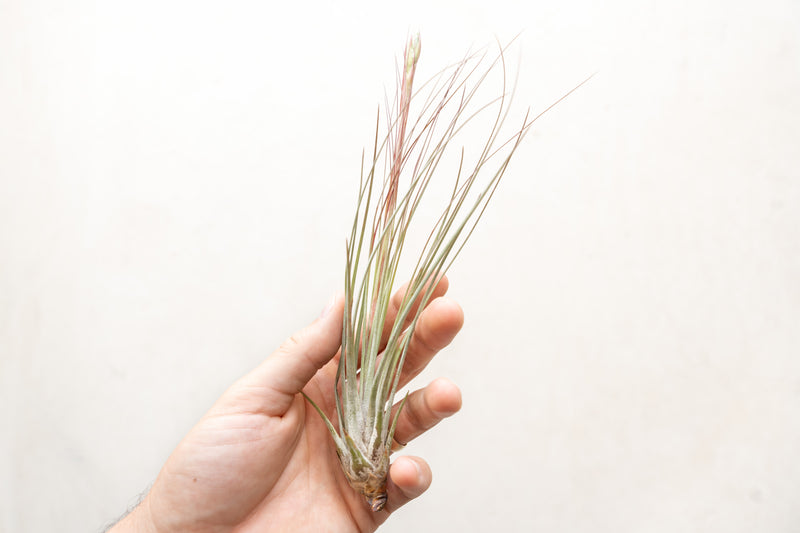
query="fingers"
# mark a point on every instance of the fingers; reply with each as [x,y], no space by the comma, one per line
[437,326]
[272,386]
[396,301]
[408,478]
[425,408]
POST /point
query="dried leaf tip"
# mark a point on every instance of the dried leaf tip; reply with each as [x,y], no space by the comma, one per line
[412,53]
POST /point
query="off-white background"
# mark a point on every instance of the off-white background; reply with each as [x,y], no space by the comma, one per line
[177,179]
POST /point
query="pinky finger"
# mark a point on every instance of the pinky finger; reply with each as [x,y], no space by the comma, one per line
[409,477]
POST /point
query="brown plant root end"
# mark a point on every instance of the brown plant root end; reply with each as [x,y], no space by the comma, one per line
[378,502]
[375,493]
[372,486]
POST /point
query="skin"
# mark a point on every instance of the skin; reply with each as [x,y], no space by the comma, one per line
[262,459]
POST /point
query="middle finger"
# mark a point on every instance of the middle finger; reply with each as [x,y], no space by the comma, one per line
[437,326]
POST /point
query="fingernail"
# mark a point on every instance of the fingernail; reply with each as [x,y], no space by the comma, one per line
[328,307]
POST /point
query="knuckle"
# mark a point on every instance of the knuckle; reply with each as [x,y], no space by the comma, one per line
[420,415]
[290,344]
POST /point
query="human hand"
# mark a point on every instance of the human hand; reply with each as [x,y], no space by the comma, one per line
[262,459]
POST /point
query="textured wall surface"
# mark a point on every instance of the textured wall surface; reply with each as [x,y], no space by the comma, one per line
[176,183]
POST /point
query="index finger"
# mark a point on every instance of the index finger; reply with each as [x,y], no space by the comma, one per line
[397,300]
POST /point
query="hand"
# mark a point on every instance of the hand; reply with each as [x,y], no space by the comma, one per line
[262,459]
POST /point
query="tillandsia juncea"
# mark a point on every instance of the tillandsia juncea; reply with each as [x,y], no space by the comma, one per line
[392,184]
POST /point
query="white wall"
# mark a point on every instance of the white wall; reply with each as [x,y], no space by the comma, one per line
[176,181]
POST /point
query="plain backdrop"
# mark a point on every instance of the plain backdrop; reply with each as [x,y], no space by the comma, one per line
[176,184]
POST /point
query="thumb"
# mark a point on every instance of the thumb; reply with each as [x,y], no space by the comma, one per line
[275,382]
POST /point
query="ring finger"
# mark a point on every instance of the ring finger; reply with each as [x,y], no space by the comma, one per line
[424,408]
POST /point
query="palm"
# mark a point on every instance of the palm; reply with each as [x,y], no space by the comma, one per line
[248,471]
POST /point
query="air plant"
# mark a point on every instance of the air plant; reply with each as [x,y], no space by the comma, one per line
[393,182]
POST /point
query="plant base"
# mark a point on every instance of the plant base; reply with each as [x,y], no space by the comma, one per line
[370,481]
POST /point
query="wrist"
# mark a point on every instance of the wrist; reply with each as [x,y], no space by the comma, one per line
[138,520]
